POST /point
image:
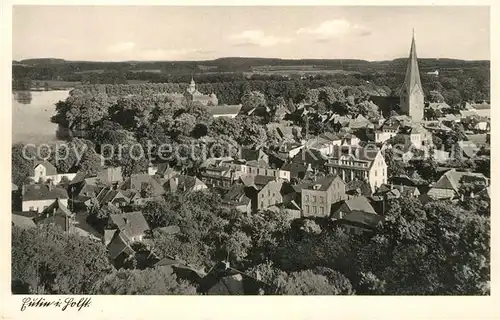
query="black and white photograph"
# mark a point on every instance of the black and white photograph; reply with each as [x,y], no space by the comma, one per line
[249,150]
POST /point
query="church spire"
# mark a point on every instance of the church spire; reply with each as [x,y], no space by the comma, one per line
[412,94]
[412,77]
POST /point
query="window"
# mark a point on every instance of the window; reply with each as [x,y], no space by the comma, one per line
[315,210]
[314,198]
[321,199]
[268,193]
[262,204]
[375,173]
[307,198]
[322,210]
[274,194]
[269,202]
[307,209]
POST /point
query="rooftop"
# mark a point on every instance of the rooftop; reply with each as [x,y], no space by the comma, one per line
[43,192]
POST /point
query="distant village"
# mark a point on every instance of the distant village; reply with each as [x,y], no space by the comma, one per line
[343,178]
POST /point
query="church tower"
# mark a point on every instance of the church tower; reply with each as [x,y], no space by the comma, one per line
[412,93]
[192,86]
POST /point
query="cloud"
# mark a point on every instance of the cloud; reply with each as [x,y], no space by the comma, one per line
[335,28]
[257,38]
[121,47]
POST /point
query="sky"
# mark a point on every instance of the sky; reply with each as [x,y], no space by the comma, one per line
[120,33]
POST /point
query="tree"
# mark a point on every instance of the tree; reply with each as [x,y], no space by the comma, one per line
[432,249]
[253,99]
[156,281]
[46,260]
[309,282]
[395,167]
[91,163]
[225,126]
[22,163]
[435,96]
[184,124]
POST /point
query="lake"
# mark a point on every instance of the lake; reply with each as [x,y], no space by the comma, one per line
[31,113]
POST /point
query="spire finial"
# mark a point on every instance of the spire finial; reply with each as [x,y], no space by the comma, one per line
[413,32]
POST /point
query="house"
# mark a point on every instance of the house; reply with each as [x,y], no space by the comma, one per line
[311,158]
[44,171]
[283,131]
[360,122]
[440,156]
[118,246]
[265,196]
[223,279]
[407,191]
[131,225]
[256,167]
[57,214]
[317,197]
[230,111]
[254,155]
[37,197]
[359,222]
[448,185]
[236,197]
[116,197]
[362,163]
[184,183]
[22,221]
[291,209]
[218,176]
[324,143]
[110,175]
[466,149]
[145,184]
[356,214]
[416,135]
[355,188]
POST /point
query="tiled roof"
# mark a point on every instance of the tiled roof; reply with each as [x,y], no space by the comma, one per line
[137,182]
[49,167]
[57,207]
[401,188]
[322,183]
[182,182]
[451,179]
[118,245]
[236,195]
[225,109]
[22,221]
[131,224]
[43,192]
[363,218]
[360,203]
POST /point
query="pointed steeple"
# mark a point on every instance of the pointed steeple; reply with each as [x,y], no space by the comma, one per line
[412,95]
[412,77]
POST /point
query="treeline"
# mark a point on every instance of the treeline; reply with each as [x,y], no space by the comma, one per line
[455,85]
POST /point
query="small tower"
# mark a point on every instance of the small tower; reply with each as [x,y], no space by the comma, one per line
[412,94]
[192,86]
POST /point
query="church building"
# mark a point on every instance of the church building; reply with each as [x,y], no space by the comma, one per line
[194,95]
